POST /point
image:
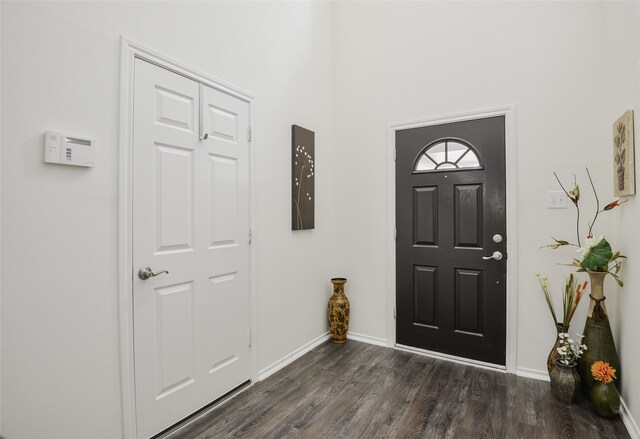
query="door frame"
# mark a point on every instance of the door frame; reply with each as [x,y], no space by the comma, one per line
[508,111]
[131,50]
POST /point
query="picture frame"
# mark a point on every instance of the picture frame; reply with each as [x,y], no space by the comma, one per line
[302,178]
[624,178]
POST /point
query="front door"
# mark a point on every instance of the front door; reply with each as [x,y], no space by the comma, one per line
[451,239]
[190,229]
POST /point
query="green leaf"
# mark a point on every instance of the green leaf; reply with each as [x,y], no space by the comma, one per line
[599,256]
[618,280]
[560,241]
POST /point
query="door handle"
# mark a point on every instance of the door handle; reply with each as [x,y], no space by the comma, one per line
[146,272]
[496,255]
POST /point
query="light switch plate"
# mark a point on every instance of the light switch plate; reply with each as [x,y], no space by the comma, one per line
[556,200]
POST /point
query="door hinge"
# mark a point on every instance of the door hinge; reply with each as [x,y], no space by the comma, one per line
[394,313]
[250,338]
[394,154]
[250,236]
[250,134]
[395,233]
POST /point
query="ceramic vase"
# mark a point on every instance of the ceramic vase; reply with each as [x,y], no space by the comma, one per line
[338,311]
[565,382]
[597,336]
[605,399]
[553,355]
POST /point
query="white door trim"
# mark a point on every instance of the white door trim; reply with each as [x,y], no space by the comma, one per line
[509,112]
[129,52]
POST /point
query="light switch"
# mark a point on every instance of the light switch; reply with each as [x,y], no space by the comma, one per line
[556,200]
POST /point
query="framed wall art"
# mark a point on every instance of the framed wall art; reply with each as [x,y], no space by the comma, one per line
[302,178]
[624,175]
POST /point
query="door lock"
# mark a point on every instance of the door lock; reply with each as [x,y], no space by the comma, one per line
[496,255]
[146,272]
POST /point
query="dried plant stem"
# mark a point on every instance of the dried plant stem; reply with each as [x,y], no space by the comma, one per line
[597,204]
[577,209]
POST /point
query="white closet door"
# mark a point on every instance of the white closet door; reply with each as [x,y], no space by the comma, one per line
[191,218]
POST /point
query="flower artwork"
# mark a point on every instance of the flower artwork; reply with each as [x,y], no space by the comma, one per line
[624,178]
[302,178]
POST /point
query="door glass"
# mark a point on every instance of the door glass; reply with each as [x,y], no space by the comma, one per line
[447,154]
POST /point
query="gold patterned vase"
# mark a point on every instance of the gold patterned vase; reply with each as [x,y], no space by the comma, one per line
[338,311]
[553,355]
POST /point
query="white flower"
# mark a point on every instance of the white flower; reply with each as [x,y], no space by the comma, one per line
[589,244]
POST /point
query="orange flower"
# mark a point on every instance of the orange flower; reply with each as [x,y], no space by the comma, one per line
[603,372]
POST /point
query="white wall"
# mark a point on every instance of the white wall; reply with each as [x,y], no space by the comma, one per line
[60,71]
[346,71]
[400,61]
[623,93]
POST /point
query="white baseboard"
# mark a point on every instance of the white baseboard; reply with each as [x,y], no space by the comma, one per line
[629,422]
[367,339]
[536,374]
[293,356]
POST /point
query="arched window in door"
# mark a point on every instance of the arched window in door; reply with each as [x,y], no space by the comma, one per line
[447,154]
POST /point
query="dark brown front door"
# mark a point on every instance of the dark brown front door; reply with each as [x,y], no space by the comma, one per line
[450,214]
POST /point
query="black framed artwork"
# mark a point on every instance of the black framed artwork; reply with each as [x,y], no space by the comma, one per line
[302,178]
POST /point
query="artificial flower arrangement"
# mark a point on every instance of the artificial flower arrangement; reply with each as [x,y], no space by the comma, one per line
[596,253]
[604,396]
[570,298]
[569,350]
[603,372]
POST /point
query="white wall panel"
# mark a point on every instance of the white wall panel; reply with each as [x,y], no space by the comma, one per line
[61,68]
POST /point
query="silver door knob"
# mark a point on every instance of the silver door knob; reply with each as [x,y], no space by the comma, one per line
[496,255]
[497,238]
[146,272]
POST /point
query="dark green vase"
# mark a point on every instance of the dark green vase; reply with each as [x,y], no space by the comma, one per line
[597,336]
[605,399]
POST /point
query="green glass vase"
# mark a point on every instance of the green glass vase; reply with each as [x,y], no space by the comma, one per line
[597,336]
[605,399]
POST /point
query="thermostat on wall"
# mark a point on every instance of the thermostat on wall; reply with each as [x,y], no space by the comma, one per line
[65,149]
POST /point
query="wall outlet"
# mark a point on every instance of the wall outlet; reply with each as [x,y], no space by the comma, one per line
[556,200]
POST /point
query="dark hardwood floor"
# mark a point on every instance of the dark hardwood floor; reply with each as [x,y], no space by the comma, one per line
[358,390]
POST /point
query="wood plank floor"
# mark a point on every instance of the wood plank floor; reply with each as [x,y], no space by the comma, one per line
[358,390]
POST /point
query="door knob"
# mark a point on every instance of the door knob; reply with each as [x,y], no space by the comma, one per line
[496,255]
[146,272]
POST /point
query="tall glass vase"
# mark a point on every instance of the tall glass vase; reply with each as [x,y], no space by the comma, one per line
[597,335]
